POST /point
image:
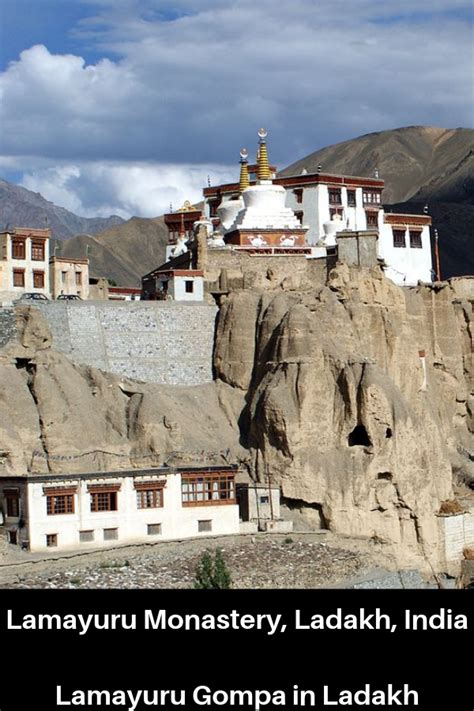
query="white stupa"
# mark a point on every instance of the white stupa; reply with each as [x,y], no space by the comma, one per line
[261,218]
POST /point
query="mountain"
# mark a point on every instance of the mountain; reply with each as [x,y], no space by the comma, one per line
[20,207]
[419,163]
[124,252]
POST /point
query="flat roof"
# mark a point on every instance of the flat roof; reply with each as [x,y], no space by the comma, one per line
[42,478]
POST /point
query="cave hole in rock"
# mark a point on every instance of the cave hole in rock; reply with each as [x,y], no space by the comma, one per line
[359,437]
[388,432]
[21,363]
[385,476]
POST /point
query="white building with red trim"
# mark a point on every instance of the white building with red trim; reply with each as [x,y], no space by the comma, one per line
[326,204]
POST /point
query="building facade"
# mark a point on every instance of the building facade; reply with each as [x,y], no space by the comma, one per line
[61,511]
[24,262]
[326,204]
[69,277]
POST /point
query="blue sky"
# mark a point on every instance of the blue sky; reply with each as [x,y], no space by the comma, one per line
[125,105]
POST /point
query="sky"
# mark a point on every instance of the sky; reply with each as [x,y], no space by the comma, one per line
[125,106]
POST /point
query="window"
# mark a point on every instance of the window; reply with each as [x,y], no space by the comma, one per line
[13,503]
[371,197]
[18,249]
[18,277]
[189,286]
[213,205]
[154,529]
[264,500]
[51,540]
[415,239]
[103,497]
[205,526]
[63,277]
[335,196]
[298,195]
[372,219]
[150,497]
[78,278]
[86,536]
[110,534]
[399,238]
[37,251]
[210,488]
[334,211]
[62,504]
[104,501]
[299,214]
[13,537]
[38,280]
[351,198]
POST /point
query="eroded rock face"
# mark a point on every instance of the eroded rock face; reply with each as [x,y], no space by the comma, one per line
[337,409]
[60,417]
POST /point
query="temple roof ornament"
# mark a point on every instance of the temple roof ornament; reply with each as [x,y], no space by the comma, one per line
[263,171]
[244,172]
[187,207]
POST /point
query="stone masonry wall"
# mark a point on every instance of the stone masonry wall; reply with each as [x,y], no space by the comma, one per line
[160,342]
[458,533]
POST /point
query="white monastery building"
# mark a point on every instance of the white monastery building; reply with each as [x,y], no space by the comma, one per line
[308,210]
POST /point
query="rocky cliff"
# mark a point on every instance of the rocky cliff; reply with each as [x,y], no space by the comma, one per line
[338,410]
[356,397]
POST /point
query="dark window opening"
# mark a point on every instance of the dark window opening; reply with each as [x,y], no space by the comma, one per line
[399,238]
[13,537]
[351,198]
[299,195]
[415,239]
[359,437]
[189,286]
[51,540]
[388,432]
[385,476]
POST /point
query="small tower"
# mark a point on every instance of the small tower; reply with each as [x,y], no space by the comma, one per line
[244,170]
[263,171]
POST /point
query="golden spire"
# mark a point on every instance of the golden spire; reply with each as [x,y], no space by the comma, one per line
[263,172]
[244,171]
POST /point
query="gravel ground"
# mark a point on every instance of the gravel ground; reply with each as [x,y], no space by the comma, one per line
[261,561]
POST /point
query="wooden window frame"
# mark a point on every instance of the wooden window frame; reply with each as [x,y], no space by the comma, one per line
[335,197]
[207,488]
[38,275]
[351,198]
[19,273]
[12,500]
[104,497]
[189,286]
[78,278]
[399,241]
[150,498]
[38,250]
[19,243]
[372,219]
[415,239]
[59,504]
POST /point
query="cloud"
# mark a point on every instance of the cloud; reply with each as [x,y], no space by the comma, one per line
[99,189]
[190,83]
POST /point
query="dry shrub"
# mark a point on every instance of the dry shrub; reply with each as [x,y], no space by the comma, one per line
[450,506]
